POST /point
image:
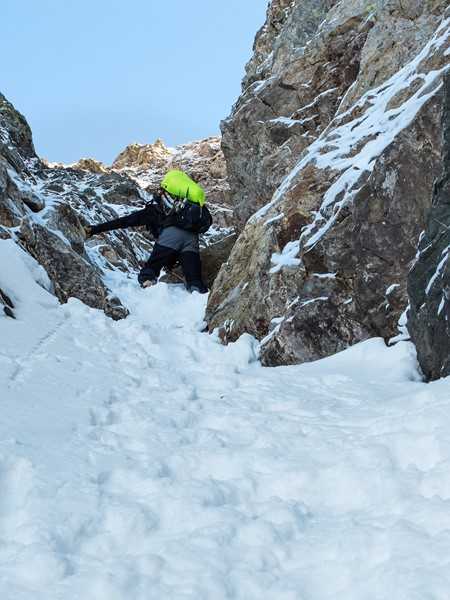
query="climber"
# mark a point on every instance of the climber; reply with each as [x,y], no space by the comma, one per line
[175,217]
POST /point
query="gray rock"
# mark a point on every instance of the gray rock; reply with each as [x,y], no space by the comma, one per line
[325,264]
[7,305]
[71,274]
[214,255]
[56,239]
[69,198]
[293,88]
[16,140]
[429,279]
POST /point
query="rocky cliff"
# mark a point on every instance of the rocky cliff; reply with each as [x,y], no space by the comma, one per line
[429,279]
[44,207]
[332,150]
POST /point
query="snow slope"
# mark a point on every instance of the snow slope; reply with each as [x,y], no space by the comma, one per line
[142,460]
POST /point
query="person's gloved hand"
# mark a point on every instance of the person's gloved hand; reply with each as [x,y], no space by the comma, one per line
[87,231]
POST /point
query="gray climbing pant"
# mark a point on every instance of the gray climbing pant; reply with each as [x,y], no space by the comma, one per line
[175,244]
[178,239]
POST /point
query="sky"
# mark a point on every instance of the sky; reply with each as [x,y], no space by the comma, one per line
[92,76]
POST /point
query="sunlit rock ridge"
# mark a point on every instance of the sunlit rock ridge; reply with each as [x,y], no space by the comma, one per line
[332,151]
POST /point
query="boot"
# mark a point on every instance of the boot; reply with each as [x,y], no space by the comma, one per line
[149,283]
[197,287]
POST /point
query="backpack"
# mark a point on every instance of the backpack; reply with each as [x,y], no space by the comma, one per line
[190,212]
[180,185]
[192,217]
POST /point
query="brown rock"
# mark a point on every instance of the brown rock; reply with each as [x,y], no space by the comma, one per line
[324,265]
[91,165]
[71,275]
[429,278]
[149,156]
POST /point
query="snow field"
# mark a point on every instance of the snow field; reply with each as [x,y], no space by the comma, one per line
[142,460]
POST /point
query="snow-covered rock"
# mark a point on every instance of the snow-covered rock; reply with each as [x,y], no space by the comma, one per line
[44,208]
[429,279]
[332,150]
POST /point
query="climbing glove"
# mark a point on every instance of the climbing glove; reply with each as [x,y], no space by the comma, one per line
[88,231]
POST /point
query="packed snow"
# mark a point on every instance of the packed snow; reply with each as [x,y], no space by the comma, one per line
[143,460]
[287,258]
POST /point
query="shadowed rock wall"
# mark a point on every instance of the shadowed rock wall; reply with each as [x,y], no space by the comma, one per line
[429,280]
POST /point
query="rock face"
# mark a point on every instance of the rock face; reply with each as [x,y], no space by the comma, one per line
[44,207]
[429,279]
[91,165]
[268,129]
[335,145]
[142,157]
[7,305]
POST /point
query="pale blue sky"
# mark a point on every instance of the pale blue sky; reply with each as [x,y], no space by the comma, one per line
[92,76]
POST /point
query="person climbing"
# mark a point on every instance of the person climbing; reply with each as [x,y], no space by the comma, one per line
[176,216]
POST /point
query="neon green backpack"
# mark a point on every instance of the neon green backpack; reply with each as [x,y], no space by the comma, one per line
[180,185]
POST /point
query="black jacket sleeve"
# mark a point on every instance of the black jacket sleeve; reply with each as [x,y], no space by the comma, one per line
[150,216]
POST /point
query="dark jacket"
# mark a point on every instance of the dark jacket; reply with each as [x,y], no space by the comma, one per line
[151,217]
[190,217]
